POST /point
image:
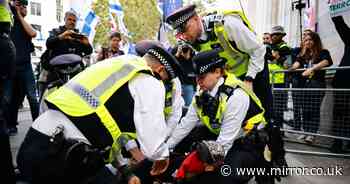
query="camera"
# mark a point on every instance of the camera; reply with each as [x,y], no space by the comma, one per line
[77,35]
[185,48]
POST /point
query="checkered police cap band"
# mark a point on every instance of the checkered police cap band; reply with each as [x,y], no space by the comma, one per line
[205,68]
[162,60]
[181,20]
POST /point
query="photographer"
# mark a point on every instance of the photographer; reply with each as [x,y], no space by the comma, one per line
[63,40]
[67,40]
[184,53]
[22,83]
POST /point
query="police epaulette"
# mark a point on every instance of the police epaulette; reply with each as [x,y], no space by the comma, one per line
[228,90]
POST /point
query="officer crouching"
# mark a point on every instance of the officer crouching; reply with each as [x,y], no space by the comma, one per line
[232,113]
[92,117]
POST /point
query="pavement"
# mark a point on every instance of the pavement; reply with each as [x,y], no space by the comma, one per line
[299,161]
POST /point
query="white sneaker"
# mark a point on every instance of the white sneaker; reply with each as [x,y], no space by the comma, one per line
[310,139]
[301,137]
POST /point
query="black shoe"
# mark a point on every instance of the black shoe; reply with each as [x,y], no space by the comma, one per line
[13,131]
[280,163]
[337,147]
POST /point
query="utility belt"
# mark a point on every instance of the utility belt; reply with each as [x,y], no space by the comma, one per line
[4,35]
[78,160]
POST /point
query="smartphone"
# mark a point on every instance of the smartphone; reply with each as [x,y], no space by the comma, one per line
[77,35]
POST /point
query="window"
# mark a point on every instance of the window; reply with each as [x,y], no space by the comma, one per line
[35,8]
[59,10]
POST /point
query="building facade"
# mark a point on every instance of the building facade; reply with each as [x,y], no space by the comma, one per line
[44,15]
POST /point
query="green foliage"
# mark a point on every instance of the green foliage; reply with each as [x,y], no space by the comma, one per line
[103,28]
[141,18]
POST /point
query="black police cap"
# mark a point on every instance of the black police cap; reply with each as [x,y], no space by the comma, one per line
[205,61]
[65,59]
[157,50]
[181,16]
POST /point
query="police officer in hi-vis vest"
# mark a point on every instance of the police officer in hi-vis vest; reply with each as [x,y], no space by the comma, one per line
[231,33]
[173,99]
[95,114]
[233,116]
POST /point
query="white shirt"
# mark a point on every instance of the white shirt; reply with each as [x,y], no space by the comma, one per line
[176,107]
[232,119]
[247,42]
[148,94]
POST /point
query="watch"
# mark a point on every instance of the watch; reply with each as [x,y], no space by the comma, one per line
[248,78]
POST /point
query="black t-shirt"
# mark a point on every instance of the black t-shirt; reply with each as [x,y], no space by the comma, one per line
[22,41]
[320,74]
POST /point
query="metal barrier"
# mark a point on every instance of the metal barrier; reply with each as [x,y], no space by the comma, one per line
[311,112]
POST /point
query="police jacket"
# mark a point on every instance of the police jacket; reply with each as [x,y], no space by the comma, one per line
[236,114]
[112,100]
[232,32]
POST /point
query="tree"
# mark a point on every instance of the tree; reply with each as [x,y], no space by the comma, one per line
[103,28]
[141,18]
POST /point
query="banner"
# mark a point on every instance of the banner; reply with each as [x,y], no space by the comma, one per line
[339,7]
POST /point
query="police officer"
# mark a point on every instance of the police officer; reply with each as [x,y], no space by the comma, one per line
[7,54]
[97,110]
[231,112]
[231,32]
[280,60]
[173,99]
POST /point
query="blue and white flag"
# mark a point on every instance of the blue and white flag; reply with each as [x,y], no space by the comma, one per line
[89,25]
[117,13]
[87,19]
[116,9]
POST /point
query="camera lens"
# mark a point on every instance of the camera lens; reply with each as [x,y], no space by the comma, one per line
[185,49]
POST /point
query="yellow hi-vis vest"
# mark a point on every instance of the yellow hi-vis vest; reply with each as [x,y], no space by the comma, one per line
[87,93]
[5,15]
[249,124]
[169,91]
[276,78]
[237,61]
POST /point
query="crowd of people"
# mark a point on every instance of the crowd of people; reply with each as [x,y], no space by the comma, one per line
[310,58]
[162,115]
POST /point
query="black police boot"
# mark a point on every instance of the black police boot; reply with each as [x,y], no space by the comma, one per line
[337,146]
[280,162]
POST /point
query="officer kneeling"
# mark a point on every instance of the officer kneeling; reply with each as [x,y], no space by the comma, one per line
[90,116]
[232,112]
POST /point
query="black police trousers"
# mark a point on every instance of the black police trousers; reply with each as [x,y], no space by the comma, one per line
[7,55]
[41,163]
[246,153]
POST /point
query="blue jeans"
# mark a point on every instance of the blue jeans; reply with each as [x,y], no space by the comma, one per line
[23,84]
[187,93]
